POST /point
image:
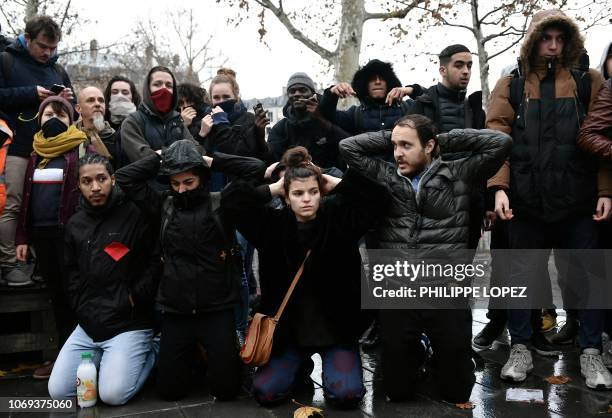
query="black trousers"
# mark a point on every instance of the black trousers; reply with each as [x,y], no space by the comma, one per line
[450,333]
[48,243]
[216,332]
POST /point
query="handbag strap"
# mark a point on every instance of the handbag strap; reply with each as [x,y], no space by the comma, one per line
[290,291]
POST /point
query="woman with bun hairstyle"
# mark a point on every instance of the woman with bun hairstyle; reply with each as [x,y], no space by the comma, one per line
[328,216]
[230,128]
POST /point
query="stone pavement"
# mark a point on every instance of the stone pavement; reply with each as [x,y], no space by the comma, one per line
[488,396]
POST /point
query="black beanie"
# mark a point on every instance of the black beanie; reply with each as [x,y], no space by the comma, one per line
[451,50]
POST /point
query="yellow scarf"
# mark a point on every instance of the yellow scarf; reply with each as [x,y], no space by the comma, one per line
[56,146]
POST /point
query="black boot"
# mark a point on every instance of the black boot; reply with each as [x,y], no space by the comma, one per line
[543,347]
[568,332]
[485,338]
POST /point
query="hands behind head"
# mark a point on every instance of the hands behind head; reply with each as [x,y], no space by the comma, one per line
[343,90]
[397,94]
[329,183]
[270,169]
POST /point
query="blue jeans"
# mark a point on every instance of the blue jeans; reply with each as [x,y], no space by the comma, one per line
[123,362]
[575,233]
[342,375]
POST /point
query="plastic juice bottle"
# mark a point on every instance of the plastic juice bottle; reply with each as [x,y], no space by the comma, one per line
[86,382]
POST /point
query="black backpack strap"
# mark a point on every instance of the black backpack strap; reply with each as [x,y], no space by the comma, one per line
[517,90]
[583,87]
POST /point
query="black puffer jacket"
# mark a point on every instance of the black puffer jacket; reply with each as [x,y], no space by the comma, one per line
[112,268]
[332,273]
[448,108]
[146,130]
[322,143]
[436,215]
[199,275]
[371,115]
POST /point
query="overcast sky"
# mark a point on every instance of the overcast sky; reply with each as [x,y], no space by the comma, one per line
[263,70]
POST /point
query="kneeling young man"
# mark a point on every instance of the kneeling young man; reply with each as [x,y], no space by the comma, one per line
[111,273]
[429,210]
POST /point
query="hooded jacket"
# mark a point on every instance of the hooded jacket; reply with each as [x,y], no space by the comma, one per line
[371,115]
[18,93]
[112,267]
[146,131]
[595,135]
[321,142]
[548,177]
[200,272]
[437,214]
[602,64]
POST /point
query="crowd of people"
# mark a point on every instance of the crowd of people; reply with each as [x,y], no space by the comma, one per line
[143,209]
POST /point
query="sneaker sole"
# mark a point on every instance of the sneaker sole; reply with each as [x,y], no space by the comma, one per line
[19,284]
[512,379]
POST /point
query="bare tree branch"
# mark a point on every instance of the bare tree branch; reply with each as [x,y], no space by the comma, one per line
[395,14]
[295,32]
[65,15]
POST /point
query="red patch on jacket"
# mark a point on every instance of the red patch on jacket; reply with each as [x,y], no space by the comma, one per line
[116,250]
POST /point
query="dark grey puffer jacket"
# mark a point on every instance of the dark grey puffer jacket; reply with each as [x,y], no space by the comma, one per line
[436,216]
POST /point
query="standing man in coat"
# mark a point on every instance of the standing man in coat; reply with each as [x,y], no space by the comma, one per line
[552,192]
[28,73]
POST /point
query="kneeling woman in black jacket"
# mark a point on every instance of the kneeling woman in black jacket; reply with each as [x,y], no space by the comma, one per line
[323,315]
[200,282]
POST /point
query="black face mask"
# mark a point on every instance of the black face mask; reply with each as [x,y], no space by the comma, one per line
[228,106]
[53,127]
[190,198]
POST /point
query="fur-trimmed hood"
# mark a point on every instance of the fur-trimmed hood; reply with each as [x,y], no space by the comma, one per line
[574,45]
[372,68]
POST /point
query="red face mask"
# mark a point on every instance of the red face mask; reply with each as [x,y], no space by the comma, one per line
[162,100]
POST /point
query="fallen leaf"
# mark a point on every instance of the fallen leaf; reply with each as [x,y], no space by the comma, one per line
[467,405]
[308,412]
[558,380]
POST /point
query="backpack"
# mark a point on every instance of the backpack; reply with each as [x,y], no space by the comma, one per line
[581,77]
[4,131]
[229,238]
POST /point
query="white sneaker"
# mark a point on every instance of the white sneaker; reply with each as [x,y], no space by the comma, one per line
[593,370]
[518,365]
[606,353]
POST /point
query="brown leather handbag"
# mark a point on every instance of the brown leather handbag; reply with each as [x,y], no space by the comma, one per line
[258,345]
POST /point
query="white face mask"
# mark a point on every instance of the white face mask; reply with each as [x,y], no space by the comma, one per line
[119,107]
